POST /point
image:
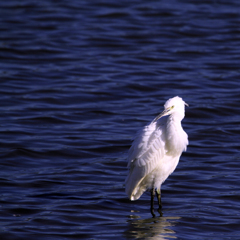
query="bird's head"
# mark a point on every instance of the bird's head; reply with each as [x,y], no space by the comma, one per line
[173,105]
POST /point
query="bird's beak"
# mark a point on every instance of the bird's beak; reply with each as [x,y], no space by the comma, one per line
[186,104]
[164,113]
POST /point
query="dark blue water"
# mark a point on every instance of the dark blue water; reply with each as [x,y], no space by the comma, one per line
[78,79]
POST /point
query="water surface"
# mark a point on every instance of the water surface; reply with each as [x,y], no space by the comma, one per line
[78,79]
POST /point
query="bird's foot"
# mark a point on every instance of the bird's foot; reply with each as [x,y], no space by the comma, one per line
[152,212]
[160,211]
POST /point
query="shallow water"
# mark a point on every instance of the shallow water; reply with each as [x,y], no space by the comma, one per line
[79,79]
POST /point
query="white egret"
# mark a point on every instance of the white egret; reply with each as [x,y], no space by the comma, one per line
[155,152]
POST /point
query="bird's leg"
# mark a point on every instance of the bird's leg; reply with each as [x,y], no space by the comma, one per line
[158,192]
[152,202]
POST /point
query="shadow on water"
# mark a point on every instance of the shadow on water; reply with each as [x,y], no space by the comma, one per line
[154,228]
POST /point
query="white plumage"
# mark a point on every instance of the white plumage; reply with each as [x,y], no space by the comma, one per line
[156,150]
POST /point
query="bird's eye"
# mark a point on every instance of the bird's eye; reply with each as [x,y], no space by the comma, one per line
[172,107]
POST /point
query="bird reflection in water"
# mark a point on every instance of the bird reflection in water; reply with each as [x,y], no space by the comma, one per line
[152,228]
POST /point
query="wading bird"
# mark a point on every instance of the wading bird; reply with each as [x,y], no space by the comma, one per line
[155,152]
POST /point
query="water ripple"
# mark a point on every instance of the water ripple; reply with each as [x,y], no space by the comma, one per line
[79,79]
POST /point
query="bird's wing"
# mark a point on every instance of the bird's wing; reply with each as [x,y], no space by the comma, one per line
[147,148]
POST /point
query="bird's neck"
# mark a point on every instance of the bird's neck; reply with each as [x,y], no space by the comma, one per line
[176,117]
[174,135]
[174,122]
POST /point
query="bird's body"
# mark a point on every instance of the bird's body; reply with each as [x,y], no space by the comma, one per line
[156,150]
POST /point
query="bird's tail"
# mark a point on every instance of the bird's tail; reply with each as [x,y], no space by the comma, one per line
[135,187]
